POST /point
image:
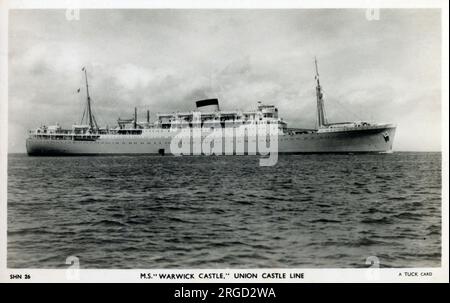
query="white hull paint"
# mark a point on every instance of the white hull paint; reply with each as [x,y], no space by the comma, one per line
[374,139]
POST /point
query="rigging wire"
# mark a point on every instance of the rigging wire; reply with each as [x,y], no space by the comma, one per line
[83,106]
[344,109]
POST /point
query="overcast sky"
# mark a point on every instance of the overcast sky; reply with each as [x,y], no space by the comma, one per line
[163,60]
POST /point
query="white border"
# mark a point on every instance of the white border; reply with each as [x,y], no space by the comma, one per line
[310,275]
[204,4]
[3,134]
[444,138]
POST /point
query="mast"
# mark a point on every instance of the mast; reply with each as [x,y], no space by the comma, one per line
[90,115]
[321,120]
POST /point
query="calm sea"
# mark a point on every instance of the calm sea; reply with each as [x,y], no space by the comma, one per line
[216,212]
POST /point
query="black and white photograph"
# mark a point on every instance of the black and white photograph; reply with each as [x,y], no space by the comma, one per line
[251,143]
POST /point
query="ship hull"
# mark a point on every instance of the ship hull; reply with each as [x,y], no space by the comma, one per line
[355,141]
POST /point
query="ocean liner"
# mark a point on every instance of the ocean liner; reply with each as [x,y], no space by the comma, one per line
[131,136]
